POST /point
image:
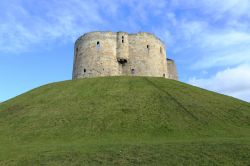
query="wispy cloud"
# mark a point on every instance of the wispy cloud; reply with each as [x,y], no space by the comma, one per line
[22,26]
[225,48]
[231,81]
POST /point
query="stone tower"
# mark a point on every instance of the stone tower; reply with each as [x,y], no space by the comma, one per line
[119,53]
[172,72]
[122,52]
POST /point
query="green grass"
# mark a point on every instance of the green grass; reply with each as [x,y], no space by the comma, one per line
[124,121]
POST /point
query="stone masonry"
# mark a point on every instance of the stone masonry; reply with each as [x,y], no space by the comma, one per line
[119,53]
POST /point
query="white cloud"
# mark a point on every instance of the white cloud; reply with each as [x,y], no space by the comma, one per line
[225,39]
[224,48]
[209,46]
[232,81]
[217,9]
[21,26]
[24,24]
[227,8]
[224,57]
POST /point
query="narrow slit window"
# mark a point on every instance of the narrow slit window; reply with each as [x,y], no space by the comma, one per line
[132,71]
[160,50]
[122,39]
[98,45]
[76,52]
[148,48]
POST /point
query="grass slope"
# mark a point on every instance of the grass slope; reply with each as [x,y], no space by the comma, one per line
[124,121]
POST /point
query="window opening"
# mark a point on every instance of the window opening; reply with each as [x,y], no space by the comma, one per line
[98,44]
[148,48]
[132,71]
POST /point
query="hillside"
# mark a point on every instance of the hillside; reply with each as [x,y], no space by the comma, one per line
[124,121]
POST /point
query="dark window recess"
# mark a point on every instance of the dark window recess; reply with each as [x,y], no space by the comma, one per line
[160,50]
[84,70]
[148,47]
[132,71]
[122,39]
[122,61]
[163,75]
[98,44]
[76,52]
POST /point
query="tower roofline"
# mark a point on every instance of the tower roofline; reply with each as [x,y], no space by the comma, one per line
[130,34]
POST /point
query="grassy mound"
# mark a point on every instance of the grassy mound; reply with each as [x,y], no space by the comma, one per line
[124,121]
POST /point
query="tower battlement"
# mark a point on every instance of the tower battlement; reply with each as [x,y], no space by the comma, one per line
[119,53]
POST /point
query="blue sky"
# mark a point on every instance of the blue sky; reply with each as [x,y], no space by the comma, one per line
[208,39]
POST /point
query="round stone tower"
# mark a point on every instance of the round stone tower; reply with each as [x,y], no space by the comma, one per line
[119,53]
[95,55]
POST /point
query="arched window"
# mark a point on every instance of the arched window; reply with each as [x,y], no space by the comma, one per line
[84,70]
[122,39]
[98,45]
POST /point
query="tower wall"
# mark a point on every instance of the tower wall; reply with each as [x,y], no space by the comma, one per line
[122,52]
[110,54]
[147,55]
[172,72]
[95,55]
